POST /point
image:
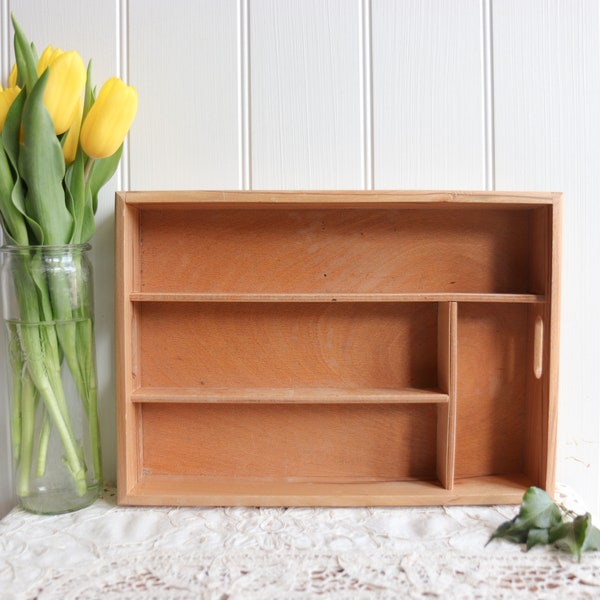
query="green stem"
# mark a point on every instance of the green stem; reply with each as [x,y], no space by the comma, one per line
[43,440]
[86,353]
[28,401]
[16,410]
[71,304]
[87,169]
[43,364]
[42,372]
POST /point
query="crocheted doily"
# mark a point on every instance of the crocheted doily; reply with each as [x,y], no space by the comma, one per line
[108,552]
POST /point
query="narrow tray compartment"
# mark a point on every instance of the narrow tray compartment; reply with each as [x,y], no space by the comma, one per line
[350,346]
[310,443]
[332,251]
[500,422]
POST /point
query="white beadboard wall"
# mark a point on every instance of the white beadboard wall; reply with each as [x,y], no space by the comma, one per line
[354,94]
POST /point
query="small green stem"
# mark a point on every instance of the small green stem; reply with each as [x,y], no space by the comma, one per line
[28,401]
[16,409]
[55,402]
[85,337]
[87,169]
[71,304]
[43,440]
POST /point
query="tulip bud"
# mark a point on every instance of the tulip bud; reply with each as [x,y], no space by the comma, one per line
[7,97]
[72,139]
[49,55]
[64,88]
[12,78]
[109,119]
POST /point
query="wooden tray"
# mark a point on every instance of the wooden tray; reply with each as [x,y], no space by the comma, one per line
[336,348]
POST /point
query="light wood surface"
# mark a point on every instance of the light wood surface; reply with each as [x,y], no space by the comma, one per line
[300,348]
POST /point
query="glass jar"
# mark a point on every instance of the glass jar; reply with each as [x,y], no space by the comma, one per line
[47,301]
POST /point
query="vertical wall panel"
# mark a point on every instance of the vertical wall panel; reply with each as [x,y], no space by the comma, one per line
[547,131]
[305,94]
[428,118]
[183,59]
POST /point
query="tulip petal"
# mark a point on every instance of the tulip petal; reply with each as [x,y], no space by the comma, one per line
[71,143]
[109,119]
[64,88]
[7,97]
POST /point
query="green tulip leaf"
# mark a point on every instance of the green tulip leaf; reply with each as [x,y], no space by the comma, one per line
[102,171]
[10,140]
[12,219]
[74,194]
[42,167]
[88,224]
[26,58]
[12,130]
[88,95]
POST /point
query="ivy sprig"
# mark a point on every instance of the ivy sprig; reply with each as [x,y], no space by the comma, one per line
[543,522]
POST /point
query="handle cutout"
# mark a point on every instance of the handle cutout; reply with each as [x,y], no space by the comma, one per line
[538,347]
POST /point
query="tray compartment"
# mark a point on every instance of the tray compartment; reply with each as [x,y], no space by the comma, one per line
[288,345]
[332,251]
[494,362]
[336,443]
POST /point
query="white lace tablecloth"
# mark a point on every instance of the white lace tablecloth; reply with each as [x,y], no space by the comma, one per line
[106,552]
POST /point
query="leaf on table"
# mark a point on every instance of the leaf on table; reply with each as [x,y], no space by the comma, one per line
[537,537]
[541,522]
[576,536]
[538,512]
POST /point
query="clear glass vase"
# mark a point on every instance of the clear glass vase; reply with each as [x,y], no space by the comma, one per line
[47,301]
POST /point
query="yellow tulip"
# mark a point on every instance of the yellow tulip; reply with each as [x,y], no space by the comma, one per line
[72,140]
[109,119]
[12,78]
[49,55]
[64,88]
[7,97]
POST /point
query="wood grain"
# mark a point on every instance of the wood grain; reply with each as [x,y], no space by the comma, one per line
[291,442]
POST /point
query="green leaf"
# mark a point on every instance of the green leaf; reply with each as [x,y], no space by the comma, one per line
[10,139]
[88,96]
[75,195]
[12,219]
[25,58]
[576,536]
[537,537]
[592,539]
[102,171]
[538,511]
[541,522]
[42,167]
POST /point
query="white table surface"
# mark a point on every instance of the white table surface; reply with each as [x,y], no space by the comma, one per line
[106,551]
